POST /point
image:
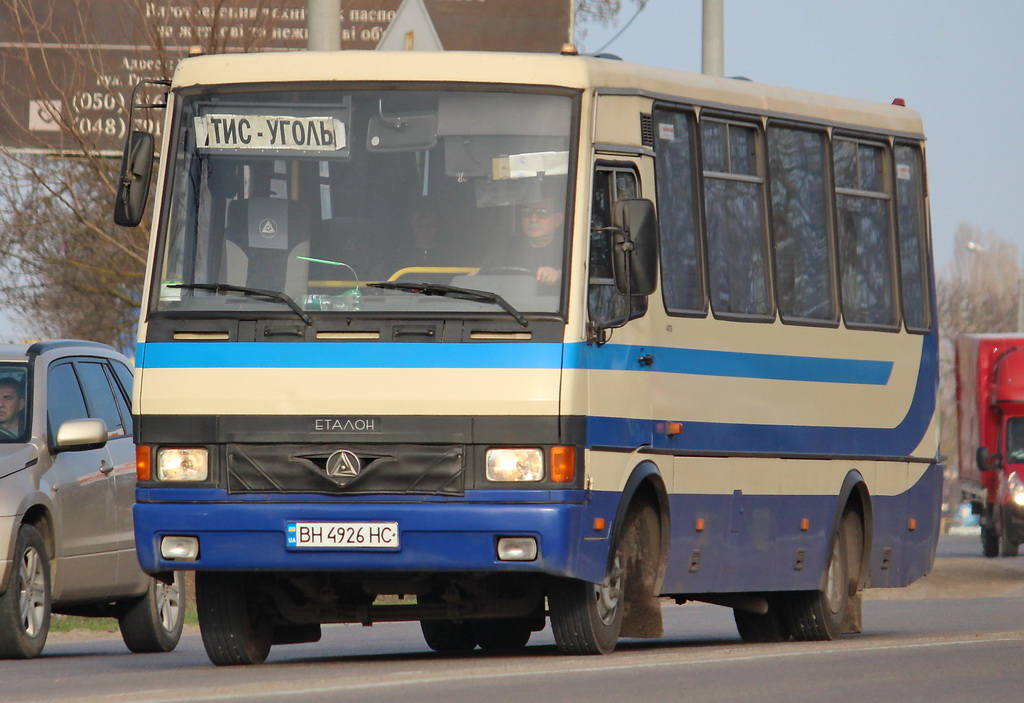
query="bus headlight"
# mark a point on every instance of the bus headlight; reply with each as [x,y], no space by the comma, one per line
[182,465]
[1016,488]
[515,465]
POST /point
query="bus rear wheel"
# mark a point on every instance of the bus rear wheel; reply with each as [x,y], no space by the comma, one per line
[825,614]
[233,631]
[762,627]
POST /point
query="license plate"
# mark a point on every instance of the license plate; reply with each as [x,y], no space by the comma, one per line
[343,535]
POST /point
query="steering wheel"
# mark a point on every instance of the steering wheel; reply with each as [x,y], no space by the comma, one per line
[506,271]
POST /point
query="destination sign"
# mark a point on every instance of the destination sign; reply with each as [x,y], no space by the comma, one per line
[269,132]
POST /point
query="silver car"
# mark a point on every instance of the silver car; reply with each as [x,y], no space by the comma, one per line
[67,486]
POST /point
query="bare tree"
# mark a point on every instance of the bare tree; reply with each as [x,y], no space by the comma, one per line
[603,12]
[977,292]
[68,270]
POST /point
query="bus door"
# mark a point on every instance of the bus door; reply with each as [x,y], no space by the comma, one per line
[619,357]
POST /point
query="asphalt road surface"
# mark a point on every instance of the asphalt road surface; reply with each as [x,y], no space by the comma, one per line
[956,635]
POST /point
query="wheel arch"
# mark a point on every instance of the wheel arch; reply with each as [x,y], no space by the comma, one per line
[646,483]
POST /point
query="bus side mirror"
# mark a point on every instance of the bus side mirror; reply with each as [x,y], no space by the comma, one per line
[987,461]
[133,181]
[634,246]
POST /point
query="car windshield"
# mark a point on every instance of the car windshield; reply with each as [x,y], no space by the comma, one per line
[13,402]
[317,193]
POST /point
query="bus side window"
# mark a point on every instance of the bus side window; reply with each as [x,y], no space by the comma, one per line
[682,255]
[804,278]
[606,306]
[865,234]
[734,212]
[913,238]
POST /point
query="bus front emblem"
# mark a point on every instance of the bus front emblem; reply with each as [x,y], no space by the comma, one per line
[343,463]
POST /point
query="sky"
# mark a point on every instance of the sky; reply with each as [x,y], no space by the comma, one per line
[957,62]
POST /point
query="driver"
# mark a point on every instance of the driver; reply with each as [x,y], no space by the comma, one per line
[12,402]
[539,249]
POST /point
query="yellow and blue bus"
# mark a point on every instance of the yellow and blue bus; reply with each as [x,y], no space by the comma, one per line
[523,337]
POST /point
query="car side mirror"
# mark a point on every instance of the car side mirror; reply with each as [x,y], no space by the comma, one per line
[634,246]
[80,435]
[133,181]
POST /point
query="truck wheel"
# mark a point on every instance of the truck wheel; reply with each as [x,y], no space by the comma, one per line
[153,623]
[25,605]
[1007,548]
[822,614]
[233,631]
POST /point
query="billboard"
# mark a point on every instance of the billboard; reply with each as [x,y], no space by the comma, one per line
[68,67]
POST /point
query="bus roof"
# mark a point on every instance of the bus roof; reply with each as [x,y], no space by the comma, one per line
[602,75]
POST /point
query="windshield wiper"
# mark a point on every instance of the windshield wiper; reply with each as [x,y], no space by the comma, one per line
[453,292]
[271,294]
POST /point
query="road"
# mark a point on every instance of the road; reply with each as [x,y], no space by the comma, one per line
[956,635]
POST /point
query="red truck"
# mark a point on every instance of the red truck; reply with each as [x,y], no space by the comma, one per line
[990,418]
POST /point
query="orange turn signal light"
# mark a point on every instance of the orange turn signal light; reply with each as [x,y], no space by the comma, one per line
[143,466]
[563,464]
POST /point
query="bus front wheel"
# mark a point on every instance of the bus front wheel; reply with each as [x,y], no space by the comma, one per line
[586,618]
[233,631]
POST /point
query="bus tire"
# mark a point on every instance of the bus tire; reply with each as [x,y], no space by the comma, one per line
[153,623]
[586,618]
[25,605]
[823,614]
[758,627]
[502,633]
[233,633]
[448,635]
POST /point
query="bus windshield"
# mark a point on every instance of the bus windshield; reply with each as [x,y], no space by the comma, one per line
[317,194]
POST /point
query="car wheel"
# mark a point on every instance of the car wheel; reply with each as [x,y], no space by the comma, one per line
[25,605]
[153,623]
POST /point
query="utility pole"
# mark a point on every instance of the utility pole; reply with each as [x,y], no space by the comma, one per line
[714,38]
[323,23]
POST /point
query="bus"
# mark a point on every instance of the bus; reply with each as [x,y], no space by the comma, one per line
[487,341]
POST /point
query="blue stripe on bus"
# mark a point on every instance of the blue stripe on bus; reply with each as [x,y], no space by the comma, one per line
[700,362]
[733,438]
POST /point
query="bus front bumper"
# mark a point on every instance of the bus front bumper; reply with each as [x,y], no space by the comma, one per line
[431,536]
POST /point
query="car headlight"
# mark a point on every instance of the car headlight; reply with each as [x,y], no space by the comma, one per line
[515,465]
[1016,488]
[182,464]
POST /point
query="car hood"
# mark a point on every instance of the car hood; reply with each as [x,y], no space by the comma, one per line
[15,457]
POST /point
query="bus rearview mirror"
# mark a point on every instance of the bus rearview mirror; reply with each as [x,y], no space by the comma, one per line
[133,180]
[634,246]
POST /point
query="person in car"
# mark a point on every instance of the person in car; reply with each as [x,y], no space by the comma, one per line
[12,402]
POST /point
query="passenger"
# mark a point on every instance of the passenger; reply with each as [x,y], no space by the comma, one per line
[12,403]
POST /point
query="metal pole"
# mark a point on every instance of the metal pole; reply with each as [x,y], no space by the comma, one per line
[323,22]
[714,38]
